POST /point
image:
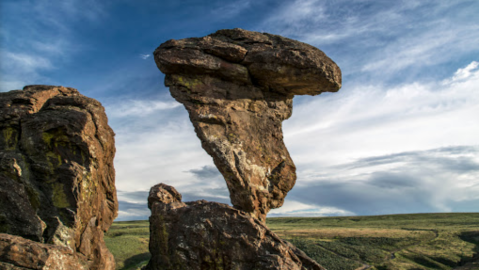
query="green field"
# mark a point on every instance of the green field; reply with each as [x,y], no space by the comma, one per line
[128,241]
[415,241]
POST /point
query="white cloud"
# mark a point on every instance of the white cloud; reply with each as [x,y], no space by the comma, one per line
[293,208]
[156,146]
[424,49]
[27,62]
[297,17]
[41,42]
[465,73]
[227,11]
[144,56]
[137,214]
[19,68]
[138,108]
[371,120]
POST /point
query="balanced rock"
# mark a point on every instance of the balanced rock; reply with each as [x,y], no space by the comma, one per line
[238,87]
[214,236]
[57,180]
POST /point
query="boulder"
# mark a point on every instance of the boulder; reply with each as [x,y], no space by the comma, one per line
[208,235]
[19,253]
[57,180]
[238,88]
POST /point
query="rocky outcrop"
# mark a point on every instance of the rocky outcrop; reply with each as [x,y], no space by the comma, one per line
[238,87]
[208,235]
[57,181]
[19,253]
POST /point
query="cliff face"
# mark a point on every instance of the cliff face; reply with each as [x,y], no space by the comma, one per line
[208,235]
[238,87]
[57,180]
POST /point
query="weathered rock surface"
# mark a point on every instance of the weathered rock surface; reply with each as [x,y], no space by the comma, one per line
[19,253]
[57,180]
[238,87]
[208,235]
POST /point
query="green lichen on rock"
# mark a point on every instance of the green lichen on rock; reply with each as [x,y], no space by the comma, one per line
[33,197]
[55,137]
[54,160]
[10,138]
[189,83]
[59,197]
[4,224]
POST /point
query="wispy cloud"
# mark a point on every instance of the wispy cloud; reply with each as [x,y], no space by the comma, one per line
[232,9]
[144,56]
[139,108]
[30,47]
[425,49]
[462,74]
[381,39]
[294,208]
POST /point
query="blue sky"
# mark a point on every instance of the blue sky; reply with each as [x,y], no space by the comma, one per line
[401,136]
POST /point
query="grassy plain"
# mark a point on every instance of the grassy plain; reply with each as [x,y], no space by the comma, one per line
[128,242]
[396,242]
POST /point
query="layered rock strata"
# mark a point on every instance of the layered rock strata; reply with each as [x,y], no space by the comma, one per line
[57,180]
[238,87]
[208,235]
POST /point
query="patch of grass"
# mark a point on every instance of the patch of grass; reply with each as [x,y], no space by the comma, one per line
[324,256]
[128,242]
[414,241]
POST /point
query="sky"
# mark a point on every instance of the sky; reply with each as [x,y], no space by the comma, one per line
[401,136]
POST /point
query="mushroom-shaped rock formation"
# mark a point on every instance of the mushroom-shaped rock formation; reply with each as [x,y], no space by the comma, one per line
[209,235]
[238,87]
[57,181]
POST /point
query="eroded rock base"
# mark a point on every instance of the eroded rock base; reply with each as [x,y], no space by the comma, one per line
[209,235]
